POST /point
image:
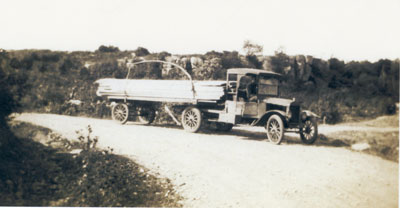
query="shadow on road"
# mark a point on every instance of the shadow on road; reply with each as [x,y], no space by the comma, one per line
[170,126]
[291,139]
[384,148]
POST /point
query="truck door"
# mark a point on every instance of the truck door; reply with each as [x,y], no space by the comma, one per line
[250,110]
[233,112]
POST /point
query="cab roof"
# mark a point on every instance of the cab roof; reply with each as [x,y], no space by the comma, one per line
[250,71]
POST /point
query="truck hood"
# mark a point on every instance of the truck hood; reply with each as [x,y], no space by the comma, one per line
[278,101]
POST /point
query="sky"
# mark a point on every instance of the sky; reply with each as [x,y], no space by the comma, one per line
[345,29]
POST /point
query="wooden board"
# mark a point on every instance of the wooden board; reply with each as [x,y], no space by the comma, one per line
[161,90]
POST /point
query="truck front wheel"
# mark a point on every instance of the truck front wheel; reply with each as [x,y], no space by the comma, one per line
[309,131]
[275,129]
[191,119]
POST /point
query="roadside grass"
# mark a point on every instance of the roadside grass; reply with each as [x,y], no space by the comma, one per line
[40,168]
[382,121]
[382,144]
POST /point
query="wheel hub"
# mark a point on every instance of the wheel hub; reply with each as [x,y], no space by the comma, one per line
[308,130]
[191,118]
[274,130]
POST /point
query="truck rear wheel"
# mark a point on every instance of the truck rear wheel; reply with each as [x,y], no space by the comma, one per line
[146,115]
[191,119]
[120,113]
[275,129]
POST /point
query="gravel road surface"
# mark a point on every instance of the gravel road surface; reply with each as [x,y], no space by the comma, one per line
[242,169]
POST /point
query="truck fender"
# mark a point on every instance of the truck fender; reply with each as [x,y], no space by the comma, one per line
[263,119]
[310,114]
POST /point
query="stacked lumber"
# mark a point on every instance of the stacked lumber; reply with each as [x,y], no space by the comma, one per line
[161,90]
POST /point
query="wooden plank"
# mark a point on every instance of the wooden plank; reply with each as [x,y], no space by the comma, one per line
[161,90]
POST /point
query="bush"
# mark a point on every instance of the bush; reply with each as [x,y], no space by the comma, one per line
[141,51]
[109,49]
[32,174]
[11,89]
[230,60]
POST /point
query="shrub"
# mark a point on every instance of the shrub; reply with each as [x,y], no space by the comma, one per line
[230,60]
[140,51]
[109,49]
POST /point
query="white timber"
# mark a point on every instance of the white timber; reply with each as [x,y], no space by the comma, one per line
[161,90]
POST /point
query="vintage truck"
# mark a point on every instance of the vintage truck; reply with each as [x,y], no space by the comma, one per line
[247,97]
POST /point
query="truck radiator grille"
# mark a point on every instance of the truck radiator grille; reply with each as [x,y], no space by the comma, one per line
[295,110]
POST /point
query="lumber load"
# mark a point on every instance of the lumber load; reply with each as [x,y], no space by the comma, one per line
[161,90]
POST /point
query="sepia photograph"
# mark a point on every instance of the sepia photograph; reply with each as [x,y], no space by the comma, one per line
[189,103]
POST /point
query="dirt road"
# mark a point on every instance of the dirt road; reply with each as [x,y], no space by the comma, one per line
[241,169]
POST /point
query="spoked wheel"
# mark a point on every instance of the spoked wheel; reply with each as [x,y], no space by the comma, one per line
[191,119]
[146,115]
[309,131]
[120,113]
[224,126]
[275,129]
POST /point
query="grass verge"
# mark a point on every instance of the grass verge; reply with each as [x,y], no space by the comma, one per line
[38,169]
[382,144]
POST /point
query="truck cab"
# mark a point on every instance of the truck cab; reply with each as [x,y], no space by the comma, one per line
[251,93]
[253,97]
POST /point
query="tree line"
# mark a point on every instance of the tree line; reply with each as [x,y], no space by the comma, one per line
[44,80]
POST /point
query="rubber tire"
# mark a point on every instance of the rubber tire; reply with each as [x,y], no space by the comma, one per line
[224,126]
[191,119]
[149,118]
[275,120]
[117,110]
[314,137]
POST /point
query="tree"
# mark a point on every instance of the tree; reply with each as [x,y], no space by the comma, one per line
[162,55]
[11,88]
[212,54]
[280,61]
[211,69]
[141,51]
[109,49]
[336,65]
[15,63]
[251,48]
[231,60]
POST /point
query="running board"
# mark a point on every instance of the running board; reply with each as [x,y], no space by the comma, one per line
[213,111]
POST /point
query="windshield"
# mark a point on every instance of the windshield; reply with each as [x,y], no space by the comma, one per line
[268,86]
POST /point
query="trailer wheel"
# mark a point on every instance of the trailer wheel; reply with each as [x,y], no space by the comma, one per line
[146,115]
[120,113]
[275,129]
[309,131]
[191,119]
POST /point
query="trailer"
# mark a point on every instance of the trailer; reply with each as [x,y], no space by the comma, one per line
[247,96]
